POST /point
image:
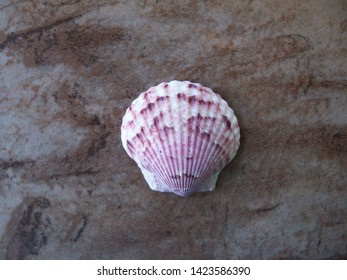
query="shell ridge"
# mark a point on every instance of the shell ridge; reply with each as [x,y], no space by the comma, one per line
[162,160]
[175,152]
[225,135]
[214,153]
[218,158]
[184,178]
[181,152]
[197,148]
[206,160]
[152,163]
[164,156]
[174,138]
[193,138]
[189,177]
[202,150]
[167,134]
[158,159]
[170,156]
[162,148]
[217,162]
[233,141]
[200,147]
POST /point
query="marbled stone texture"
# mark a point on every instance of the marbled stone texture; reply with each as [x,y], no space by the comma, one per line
[68,71]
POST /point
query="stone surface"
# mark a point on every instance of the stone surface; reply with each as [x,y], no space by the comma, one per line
[69,69]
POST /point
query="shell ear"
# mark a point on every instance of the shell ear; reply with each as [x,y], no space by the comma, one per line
[181,135]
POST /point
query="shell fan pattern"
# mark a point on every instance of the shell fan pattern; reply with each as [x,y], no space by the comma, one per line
[181,135]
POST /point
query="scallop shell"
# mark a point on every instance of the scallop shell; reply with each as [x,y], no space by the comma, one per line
[181,135]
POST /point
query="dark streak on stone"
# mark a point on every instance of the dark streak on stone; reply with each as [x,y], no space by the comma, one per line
[76,173]
[81,229]
[330,84]
[78,47]
[12,164]
[31,232]
[337,257]
[14,36]
[94,120]
[284,46]
[226,215]
[308,85]
[98,144]
[262,210]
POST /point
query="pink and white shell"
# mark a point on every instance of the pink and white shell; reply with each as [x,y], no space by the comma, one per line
[181,135]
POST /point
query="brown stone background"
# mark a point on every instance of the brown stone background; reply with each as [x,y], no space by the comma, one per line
[70,68]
